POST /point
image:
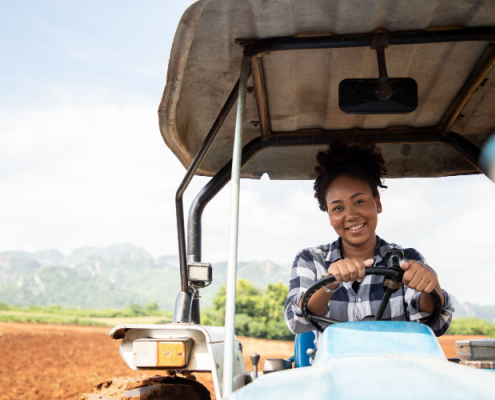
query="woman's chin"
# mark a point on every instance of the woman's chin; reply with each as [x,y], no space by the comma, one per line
[358,239]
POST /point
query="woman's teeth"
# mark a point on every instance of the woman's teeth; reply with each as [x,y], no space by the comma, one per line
[355,228]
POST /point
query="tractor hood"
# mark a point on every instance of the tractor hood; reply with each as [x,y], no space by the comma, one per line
[375,360]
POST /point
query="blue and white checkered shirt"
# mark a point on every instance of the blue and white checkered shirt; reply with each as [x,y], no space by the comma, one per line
[346,305]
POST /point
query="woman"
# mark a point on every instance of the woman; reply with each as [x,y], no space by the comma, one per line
[346,187]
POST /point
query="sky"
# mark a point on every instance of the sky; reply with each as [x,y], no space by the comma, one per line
[82,161]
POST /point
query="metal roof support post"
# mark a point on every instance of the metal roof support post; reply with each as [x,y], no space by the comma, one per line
[183,303]
[194,241]
[228,361]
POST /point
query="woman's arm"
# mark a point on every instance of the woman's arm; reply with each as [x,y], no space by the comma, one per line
[318,303]
[303,275]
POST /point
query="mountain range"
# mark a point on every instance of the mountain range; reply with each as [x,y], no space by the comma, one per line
[120,275]
[111,277]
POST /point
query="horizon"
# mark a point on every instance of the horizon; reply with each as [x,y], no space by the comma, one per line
[141,248]
[473,302]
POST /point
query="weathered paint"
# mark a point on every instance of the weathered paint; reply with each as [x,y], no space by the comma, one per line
[375,360]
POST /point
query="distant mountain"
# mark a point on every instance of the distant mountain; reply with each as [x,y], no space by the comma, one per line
[111,277]
[475,310]
[116,276]
[90,277]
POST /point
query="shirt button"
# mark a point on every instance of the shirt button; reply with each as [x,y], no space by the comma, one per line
[359,299]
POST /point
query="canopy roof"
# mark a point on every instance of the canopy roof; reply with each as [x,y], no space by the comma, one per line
[294,97]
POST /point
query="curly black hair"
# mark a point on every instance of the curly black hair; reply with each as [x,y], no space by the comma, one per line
[359,160]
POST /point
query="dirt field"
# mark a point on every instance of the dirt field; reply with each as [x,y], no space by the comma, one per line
[59,361]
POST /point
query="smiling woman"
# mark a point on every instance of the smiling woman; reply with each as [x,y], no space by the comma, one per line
[347,189]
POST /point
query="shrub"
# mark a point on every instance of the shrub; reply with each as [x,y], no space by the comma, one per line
[258,314]
[471,326]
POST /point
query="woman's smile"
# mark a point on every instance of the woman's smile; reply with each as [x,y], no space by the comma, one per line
[355,228]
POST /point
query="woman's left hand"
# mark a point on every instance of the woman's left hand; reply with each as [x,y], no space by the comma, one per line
[423,279]
[418,277]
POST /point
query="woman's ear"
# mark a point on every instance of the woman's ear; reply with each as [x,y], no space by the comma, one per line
[378,204]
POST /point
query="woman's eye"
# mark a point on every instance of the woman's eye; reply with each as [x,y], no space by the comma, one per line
[338,208]
[360,201]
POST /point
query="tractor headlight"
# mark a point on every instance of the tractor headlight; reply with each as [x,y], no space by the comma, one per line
[199,274]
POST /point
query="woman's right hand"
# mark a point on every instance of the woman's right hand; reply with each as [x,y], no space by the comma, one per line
[344,270]
[347,270]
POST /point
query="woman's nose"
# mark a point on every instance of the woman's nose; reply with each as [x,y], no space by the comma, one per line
[351,212]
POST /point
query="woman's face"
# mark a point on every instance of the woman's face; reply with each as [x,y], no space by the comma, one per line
[353,210]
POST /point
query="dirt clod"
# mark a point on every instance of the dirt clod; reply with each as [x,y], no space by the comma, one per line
[149,388]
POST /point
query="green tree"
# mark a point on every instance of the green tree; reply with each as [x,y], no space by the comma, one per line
[258,314]
[471,326]
[137,310]
[152,309]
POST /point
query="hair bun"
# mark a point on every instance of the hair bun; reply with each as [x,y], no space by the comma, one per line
[360,160]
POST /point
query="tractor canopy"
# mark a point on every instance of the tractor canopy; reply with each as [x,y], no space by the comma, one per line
[298,100]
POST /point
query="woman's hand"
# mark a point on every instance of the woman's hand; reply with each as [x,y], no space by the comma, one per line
[346,270]
[423,279]
[418,277]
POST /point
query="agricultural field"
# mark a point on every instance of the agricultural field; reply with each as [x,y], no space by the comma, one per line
[134,313]
[44,361]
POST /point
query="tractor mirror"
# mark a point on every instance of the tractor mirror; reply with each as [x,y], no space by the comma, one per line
[378,96]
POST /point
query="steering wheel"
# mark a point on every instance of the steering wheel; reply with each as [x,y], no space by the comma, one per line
[393,281]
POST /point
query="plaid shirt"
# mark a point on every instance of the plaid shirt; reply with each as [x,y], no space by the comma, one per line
[346,305]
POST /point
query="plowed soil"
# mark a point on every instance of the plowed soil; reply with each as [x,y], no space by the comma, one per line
[59,361]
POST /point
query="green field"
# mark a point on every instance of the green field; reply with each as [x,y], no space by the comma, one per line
[150,314]
[134,314]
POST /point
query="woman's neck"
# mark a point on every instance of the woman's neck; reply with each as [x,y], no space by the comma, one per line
[361,253]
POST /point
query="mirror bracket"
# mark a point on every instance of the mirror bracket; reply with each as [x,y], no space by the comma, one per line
[378,96]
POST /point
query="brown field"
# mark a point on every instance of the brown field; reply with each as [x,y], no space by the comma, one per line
[60,361]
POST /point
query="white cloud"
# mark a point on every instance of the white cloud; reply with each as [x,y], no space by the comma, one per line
[277,219]
[100,174]
[78,176]
[449,220]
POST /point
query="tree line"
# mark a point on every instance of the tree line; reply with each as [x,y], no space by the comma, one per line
[260,314]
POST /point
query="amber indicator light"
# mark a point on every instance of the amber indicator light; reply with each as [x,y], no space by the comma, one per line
[171,354]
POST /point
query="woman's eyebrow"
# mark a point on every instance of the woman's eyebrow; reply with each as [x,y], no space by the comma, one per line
[353,196]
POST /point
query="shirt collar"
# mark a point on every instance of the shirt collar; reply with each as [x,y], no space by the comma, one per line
[334,254]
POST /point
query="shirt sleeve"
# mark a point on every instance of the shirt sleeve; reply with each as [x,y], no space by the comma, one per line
[440,324]
[303,275]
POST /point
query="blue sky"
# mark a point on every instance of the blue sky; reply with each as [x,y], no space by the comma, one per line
[82,161]
[120,48]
